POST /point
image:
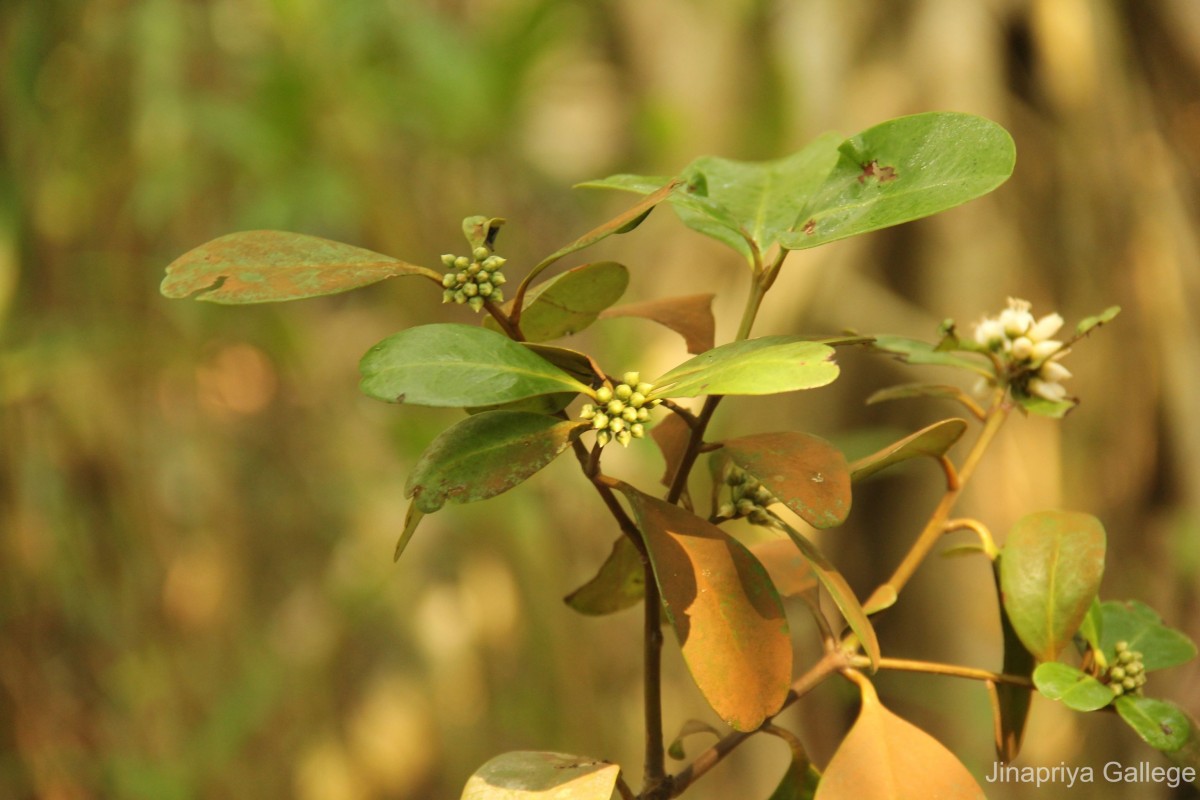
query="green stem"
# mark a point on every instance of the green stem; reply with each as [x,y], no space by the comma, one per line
[935,668]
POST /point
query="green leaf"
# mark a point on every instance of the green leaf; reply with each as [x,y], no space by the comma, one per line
[1010,703]
[569,302]
[1092,631]
[1139,625]
[910,390]
[1160,724]
[487,454]
[727,616]
[270,266]
[481,231]
[839,591]
[619,584]
[930,442]
[457,365]
[1086,324]
[767,365]
[884,757]
[527,775]
[1050,569]
[915,351]
[805,472]
[902,170]
[1075,688]
[1054,409]
[691,317]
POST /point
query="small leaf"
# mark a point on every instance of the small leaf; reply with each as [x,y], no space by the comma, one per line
[805,472]
[915,351]
[690,728]
[1086,324]
[1160,724]
[412,518]
[690,317]
[1010,704]
[932,442]
[910,390]
[487,454]
[884,757]
[768,365]
[1054,409]
[481,231]
[1139,625]
[1092,629]
[570,302]
[457,365]
[726,614]
[840,592]
[902,170]
[802,778]
[1050,569]
[619,584]
[1075,688]
[527,775]
[270,266]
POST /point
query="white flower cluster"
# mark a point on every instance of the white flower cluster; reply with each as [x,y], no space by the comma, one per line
[1025,344]
[621,412]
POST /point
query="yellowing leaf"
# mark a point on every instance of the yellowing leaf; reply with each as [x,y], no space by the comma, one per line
[806,473]
[691,317]
[726,613]
[884,757]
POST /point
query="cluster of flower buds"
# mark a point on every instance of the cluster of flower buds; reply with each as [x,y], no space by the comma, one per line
[620,412]
[1025,345]
[1128,675]
[473,280]
[748,498]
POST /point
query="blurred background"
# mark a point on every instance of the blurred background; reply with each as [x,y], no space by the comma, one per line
[198,509]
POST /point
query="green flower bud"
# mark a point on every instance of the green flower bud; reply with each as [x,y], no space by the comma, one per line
[760,517]
[745,507]
[726,510]
[480,253]
[473,268]
[735,477]
[588,411]
[615,407]
[448,280]
[485,289]
[1122,646]
[763,496]
[461,262]
[616,425]
[447,295]
[1126,657]
[638,430]
[629,414]
[497,295]
[498,279]
[1117,689]
[624,391]
[643,415]
[448,259]
[1117,674]
[631,378]
[623,437]
[637,399]
[1141,679]
[461,277]
[476,304]
[644,388]
[494,262]
[600,420]
[470,289]
[459,297]
[602,438]
[604,393]
[1136,668]
[1129,684]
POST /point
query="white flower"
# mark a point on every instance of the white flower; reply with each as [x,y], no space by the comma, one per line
[990,333]
[1016,319]
[1044,350]
[1054,372]
[1045,327]
[1054,392]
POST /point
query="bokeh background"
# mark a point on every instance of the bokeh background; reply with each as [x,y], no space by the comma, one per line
[197,508]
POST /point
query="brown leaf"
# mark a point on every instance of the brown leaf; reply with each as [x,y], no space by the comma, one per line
[671,434]
[726,614]
[268,266]
[790,571]
[808,474]
[690,316]
[884,757]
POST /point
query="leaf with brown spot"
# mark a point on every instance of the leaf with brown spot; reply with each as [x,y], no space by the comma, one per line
[486,454]
[885,757]
[619,584]
[691,317]
[270,266]
[727,616]
[806,473]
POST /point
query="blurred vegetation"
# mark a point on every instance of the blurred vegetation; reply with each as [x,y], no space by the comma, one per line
[197,509]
